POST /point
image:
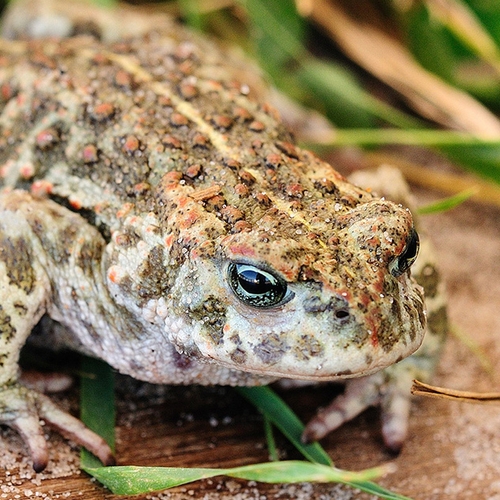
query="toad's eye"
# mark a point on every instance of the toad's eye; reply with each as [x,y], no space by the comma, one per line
[407,257]
[256,287]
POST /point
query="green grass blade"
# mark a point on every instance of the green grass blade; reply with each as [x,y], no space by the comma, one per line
[105,3]
[483,159]
[340,94]
[97,404]
[129,480]
[279,34]
[408,137]
[448,203]
[279,29]
[271,442]
[97,393]
[280,414]
[476,154]
[190,10]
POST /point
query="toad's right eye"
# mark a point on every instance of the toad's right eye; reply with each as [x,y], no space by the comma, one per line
[256,287]
[409,255]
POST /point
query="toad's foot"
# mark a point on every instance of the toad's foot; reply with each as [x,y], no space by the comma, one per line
[22,409]
[390,392]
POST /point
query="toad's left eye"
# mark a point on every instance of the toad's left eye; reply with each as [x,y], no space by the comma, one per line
[256,287]
[407,257]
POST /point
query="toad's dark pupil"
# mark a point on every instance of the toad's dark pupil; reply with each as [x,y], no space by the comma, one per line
[254,282]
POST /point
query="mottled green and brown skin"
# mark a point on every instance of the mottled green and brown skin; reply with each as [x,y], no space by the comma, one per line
[135,175]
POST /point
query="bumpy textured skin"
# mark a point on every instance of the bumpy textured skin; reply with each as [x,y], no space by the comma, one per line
[133,171]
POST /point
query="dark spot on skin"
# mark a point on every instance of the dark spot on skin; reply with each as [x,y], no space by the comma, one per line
[126,285]
[89,215]
[213,316]
[126,239]
[338,306]
[20,308]
[306,348]
[386,334]
[239,356]
[343,373]
[136,366]
[412,310]
[92,332]
[153,275]
[271,350]
[419,307]
[396,310]
[287,148]
[192,352]
[326,186]
[215,332]
[181,360]
[17,257]
[89,257]
[7,329]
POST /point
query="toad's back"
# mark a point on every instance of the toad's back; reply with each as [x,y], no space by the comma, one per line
[86,122]
[99,125]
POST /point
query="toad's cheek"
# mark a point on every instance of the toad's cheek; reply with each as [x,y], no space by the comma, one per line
[320,346]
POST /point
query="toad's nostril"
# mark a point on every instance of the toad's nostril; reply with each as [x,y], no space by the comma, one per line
[341,314]
[336,306]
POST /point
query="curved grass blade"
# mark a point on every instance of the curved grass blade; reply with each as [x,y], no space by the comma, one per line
[97,394]
[407,137]
[448,203]
[280,414]
[280,34]
[97,404]
[474,153]
[271,442]
[340,94]
[483,159]
[130,480]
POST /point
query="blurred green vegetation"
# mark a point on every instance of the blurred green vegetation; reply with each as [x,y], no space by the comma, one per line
[462,50]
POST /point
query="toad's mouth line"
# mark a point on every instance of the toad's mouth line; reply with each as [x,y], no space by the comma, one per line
[332,377]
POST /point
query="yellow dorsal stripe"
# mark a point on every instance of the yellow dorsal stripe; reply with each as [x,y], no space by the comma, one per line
[128,64]
[185,108]
[217,139]
[285,206]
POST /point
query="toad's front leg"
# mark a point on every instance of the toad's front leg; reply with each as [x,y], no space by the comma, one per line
[25,295]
